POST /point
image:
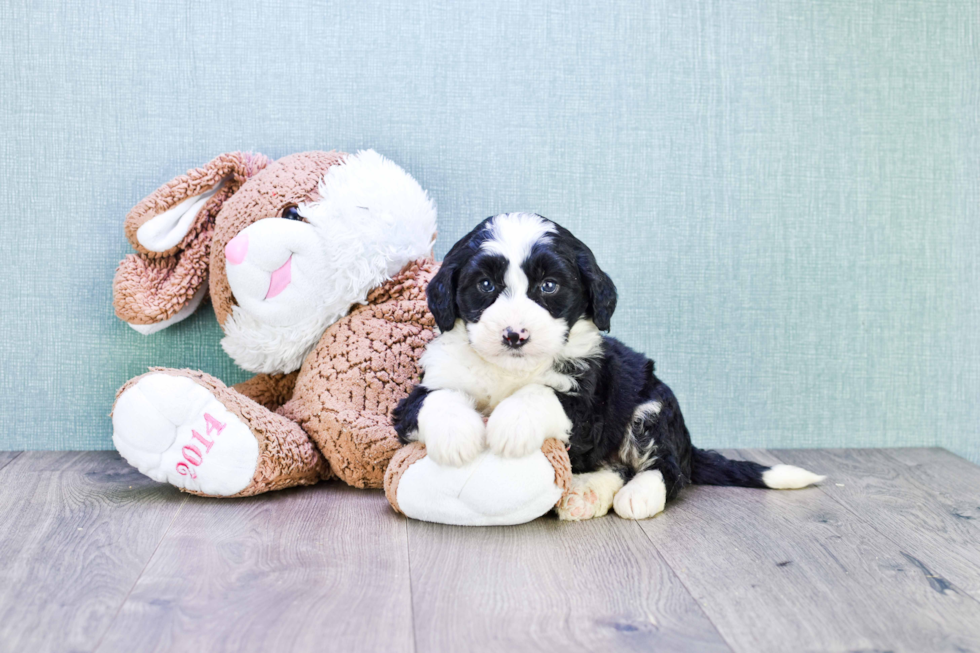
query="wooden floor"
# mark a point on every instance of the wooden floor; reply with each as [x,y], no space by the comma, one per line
[884,556]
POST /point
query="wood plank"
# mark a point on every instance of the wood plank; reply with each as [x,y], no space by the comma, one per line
[73,541]
[956,478]
[903,504]
[550,586]
[318,568]
[794,570]
[6,457]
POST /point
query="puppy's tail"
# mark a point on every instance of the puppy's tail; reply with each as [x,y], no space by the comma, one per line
[711,468]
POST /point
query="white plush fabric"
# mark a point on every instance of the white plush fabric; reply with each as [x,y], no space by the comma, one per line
[161,427]
[489,491]
[372,220]
[164,231]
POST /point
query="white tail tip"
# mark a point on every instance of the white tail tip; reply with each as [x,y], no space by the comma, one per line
[789,477]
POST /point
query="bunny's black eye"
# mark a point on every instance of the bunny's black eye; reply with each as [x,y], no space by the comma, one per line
[485,285]
[291,213]
[549,287]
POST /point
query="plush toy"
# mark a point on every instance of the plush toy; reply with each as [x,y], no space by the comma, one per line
[285,249]
[489,491]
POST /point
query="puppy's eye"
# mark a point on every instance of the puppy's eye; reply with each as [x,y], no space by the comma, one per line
[549,287]
[291,213]
[485,285]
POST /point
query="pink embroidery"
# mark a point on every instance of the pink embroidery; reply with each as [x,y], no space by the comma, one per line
[187,455]
[192,454]
[213,424]
[184,470]
[280,279]
[200,438]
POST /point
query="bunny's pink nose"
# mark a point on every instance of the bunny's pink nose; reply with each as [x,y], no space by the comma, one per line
[236,249]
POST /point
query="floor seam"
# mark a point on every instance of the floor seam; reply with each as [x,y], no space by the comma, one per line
[122,603]
[874,528]
[690,593]
[3,466]
[411,589]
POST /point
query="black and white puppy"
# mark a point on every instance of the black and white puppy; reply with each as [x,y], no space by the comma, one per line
[520,304]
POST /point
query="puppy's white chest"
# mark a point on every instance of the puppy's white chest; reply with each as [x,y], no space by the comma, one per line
[450,363]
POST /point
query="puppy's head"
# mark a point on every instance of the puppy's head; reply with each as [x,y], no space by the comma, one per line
[518,284]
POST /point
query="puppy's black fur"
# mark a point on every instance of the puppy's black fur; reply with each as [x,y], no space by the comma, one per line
[603,414]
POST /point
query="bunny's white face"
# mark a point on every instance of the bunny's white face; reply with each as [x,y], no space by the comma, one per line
[294,276]
[272,266]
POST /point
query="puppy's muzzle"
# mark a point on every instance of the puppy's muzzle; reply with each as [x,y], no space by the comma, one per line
[515,339]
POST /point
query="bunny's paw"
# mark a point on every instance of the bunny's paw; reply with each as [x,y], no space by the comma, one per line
[176,431]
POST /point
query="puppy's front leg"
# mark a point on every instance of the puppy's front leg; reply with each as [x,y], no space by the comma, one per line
[445,421]
[521,423]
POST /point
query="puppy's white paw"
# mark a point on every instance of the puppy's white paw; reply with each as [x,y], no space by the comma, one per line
[451,429]
[643,497]
[515,429]
[521,423]
[591,495]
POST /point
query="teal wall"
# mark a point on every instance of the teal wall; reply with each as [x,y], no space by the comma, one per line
[787,193]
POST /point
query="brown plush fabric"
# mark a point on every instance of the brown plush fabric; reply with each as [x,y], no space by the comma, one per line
[287,457]
[150,287]
[556,453]
[292,179]
[400,462]
[270,390]
[359,371]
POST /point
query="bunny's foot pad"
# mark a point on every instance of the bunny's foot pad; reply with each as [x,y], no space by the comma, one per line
[176,431]
[488,491]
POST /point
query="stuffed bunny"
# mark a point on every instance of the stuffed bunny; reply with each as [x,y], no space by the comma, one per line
[285,249]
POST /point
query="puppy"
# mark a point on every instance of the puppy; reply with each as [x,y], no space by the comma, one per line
[520,304]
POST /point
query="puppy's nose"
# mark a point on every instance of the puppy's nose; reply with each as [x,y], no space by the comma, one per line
[236,249]
[515,339]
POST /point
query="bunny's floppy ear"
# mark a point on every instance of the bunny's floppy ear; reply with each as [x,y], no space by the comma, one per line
[165,281]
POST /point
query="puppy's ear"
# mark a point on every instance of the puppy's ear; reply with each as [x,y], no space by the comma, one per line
[441,291]
[165,281]
[440,295]
[601,289]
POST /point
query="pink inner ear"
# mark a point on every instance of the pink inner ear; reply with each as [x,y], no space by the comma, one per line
[236,249]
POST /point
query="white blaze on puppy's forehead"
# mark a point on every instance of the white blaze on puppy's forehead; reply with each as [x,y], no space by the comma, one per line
[512,235]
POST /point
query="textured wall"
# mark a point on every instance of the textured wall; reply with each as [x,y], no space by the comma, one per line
[786,192]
